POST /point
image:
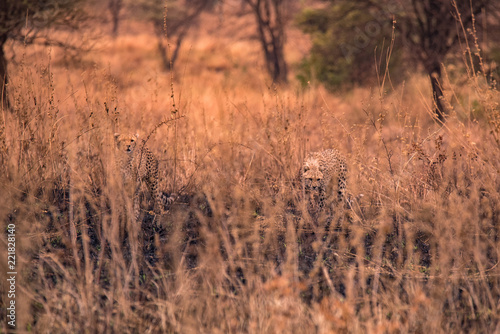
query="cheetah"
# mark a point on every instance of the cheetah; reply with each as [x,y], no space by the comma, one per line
[324,179]
[138,165]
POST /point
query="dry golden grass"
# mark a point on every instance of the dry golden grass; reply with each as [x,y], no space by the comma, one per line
[236,252]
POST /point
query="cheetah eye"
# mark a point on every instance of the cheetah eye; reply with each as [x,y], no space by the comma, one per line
[306,168]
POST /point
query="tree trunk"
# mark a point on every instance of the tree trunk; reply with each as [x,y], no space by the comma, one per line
[163,54]
[170,63]
[437,91]
[114,7]
[175,54]
[276,59]
[4,101]
[269,16]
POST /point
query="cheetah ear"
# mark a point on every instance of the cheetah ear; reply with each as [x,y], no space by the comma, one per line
[136,135]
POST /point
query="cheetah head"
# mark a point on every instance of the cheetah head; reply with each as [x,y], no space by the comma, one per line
[312,174]
[126,143]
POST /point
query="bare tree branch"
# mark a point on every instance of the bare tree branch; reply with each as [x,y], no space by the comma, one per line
[23,20]
[270,18]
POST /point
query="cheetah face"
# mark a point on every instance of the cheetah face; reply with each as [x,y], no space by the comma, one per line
[126,143]
[312,174]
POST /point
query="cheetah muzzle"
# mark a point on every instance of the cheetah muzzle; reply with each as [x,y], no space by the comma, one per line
[138,167]
[324,179]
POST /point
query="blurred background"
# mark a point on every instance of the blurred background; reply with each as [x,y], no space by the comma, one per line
[339,45]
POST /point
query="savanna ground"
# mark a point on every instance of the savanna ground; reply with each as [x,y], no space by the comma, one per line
[237,252]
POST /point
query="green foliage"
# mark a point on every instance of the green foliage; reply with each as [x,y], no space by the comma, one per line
[346,37]
[154,11]
[176,14]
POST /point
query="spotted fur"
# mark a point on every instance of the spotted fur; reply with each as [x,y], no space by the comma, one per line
[138,166]
[324,177]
